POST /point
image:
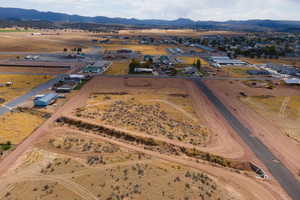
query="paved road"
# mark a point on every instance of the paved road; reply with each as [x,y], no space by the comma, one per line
[192,78]
[20,100]
[29,73]
[285,178]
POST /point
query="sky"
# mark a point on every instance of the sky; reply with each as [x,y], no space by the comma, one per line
[217,10]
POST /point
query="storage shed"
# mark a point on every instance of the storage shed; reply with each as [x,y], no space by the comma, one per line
[45,100]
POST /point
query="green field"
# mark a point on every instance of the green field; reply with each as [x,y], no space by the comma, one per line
[11,31]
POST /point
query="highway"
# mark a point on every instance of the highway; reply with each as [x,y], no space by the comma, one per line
[285,178]
[20,100]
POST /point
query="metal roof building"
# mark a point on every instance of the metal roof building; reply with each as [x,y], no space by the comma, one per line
[45,100]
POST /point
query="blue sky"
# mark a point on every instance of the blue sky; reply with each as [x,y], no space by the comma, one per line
[220,10]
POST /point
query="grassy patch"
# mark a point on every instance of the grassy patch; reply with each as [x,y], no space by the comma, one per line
[17,126]
[13,30]
[191,60]
[143,49]
[238,72]
[118,68]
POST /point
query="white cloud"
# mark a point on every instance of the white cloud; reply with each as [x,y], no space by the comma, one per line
[169,9]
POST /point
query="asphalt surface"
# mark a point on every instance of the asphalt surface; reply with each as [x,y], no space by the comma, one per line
[28,73]
[20,100]
[285,178]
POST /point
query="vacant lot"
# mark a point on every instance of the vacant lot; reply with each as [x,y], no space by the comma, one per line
[164,114]
[33,70]
[101,170]
[284,110]
[25,42]
[237,72]
[118,68]
[21,84]
[16,126]
[192,60]
[143,49]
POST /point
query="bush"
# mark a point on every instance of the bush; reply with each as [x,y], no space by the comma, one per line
[6,146]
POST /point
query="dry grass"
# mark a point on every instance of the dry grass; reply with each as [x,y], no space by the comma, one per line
[143,49]
[46,190]
[170,115]
[25,42]
[191,60]
[118,68]
[273,104]
[17,126]
[33,70]
[238,72]
[21,84]
[284,111]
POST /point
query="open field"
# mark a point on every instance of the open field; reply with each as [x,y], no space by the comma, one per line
[99,169]
[168,113]
[191,60]
[81,153]
[21,84]
[285,110]
[272,115]
[11,30]
[33,70]
[237,72]
[118,68]
[286,61]
[25,42]
[143,49]
[16,126]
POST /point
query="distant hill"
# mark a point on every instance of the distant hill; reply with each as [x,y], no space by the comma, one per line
[248,25]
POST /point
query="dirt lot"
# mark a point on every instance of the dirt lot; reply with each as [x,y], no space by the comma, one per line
[88,160]
[76,166]
[167,113]
[271,114]
[21,84]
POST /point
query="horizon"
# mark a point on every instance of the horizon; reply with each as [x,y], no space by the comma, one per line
[250,19]
[213,10]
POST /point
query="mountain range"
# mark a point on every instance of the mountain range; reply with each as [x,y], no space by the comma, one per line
[54,17]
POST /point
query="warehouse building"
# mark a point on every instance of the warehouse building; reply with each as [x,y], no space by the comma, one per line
[219,61]
[45,100]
